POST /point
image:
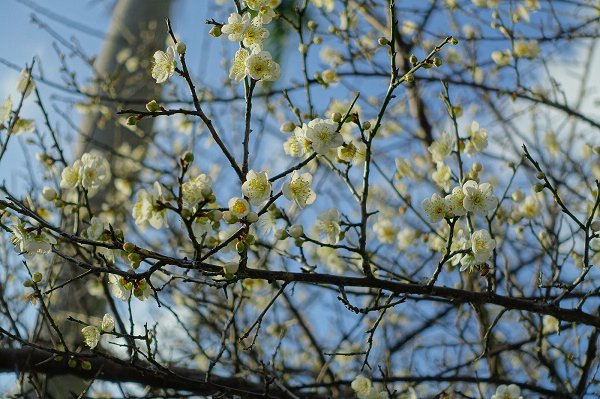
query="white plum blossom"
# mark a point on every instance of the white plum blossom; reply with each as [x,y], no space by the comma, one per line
[238,207]
[255,34]
[260,66]
[386,231]
[328,226]
[361,385]
[442,175]
[108,323]
[441,148]
[511,391]
[257,187]
[195,191]
[479,198]
[120,288]
[91,336]
[482,247]
[323,134]
[201,227]
[530,208]
[436,207]
[455,203]
[296,145]
[478,139]
[91,172]
[236,26]
[26,83]
[146,209]
[32,242]
[164,64]
[328,5]
[238,66]
[5,110]
[298,189]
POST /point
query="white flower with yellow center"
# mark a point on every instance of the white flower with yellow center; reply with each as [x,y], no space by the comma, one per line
[108,323]
[163,64]
[119,287]
[70,175]
[256,5]
[91,336]
[236,26]
[361,385]
[146,209]
[255,34]
[442,176]
[502,58]
[482,245]
[260,66]
[298,189]
[195,190]
[478,139]
[511,391]
[26,83]
[435,207]
[323,135]
[441,148]
[257,187]
[239,207]
[30,243]
[530,208]
[238,66]
[328,226]
[386,231]
[479,198]
[455,202]
[94,172]
[296,145]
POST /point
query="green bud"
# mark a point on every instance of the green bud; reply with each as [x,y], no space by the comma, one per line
[72,363]
[240,246]
[413,59]
[129,247]
[410,77]
[215,215]
[251,239]
[37,277]
[383,41]
[132,121]
[336,117]
[188,157]
[453,41]
[28,283]
[366,125]
[215,31]
[538,188]
[252,217]
[540,175]
[85,365]
[153,106]
[133,257]
[58,358]
[437,61]
[312,25]
[180,47]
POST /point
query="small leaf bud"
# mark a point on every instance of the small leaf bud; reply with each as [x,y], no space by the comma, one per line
[287,127]
[153,106]
[296,231]
[180,47]
[215,31]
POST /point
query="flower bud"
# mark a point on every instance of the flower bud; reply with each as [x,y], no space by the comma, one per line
[383,41]
[303,48]
[595,225]
[108,323]
[86,365]
[413,59]
[240,246]
[410,77]
[453,41]
[336,117]
[281,234]
[215,31]
[229,217]
[540,175]
[437,61]
[538,188]
[132,121]
[153,106]
[129,247]
[188,157]
[366,125]
[287,127]
[49,193]
[312,25]
[37,277]
[296,231]
[231,267]
[180,47]
[252,217]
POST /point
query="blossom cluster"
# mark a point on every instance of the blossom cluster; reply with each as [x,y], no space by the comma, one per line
[248,29]
[91,334]
[90,172]
[365,390]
